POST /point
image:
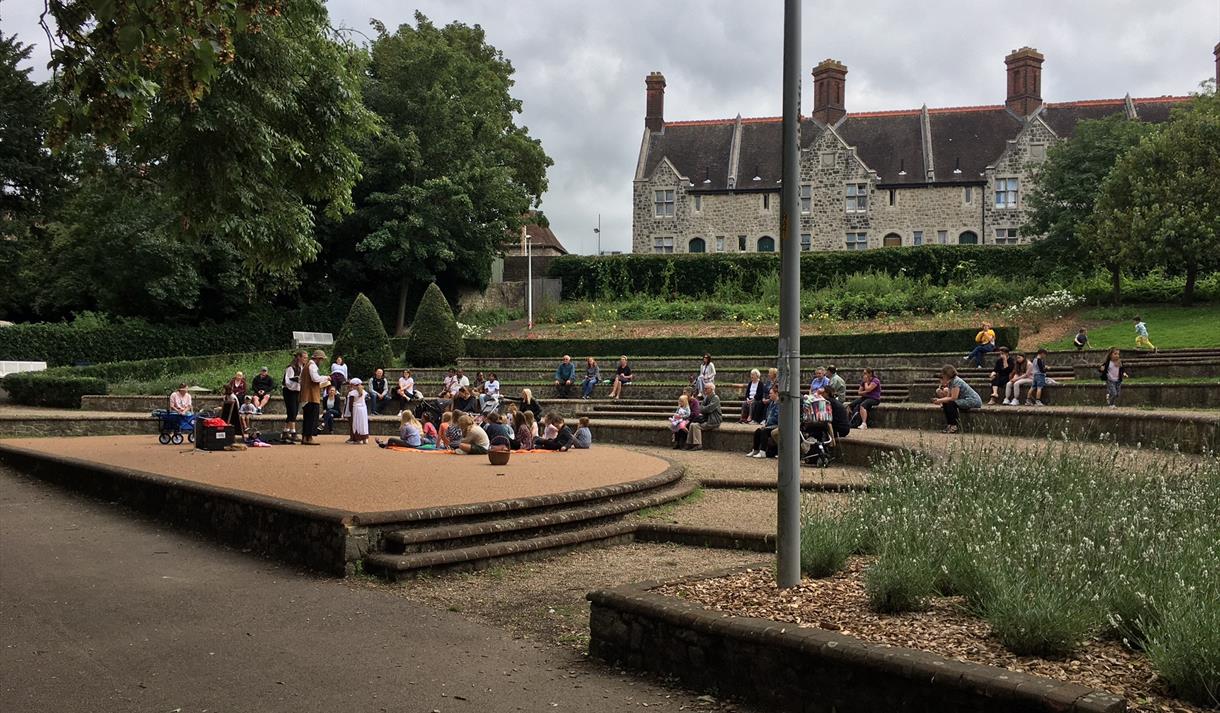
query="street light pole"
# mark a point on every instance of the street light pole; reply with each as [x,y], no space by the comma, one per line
[598,232]
[529,281]
[788,534]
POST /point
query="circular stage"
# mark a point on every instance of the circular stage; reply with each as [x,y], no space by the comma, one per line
[361,478]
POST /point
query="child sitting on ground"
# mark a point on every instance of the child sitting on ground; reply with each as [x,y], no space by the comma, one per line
[550,430]
[524,421]
[562,440]
[496,428]
[474,440]
[453,431]
[442,431]
[408,433]
[427,430]
[583,438]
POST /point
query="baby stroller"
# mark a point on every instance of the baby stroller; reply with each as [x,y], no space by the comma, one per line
[817,449]
[173,425]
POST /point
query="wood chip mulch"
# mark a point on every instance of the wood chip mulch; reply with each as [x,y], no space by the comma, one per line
[839,603]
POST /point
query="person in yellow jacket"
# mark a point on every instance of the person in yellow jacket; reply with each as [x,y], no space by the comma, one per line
[984,344]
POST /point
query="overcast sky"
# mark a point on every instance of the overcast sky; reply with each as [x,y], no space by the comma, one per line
[580,66]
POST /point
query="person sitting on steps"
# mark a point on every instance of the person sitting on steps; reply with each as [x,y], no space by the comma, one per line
[762,434]
[868,396]
[984,344]
[710,417]
[565,375]
[953,396]
[999,375]
[622,377]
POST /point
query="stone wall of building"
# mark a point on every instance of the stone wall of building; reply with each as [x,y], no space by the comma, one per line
[1020,160]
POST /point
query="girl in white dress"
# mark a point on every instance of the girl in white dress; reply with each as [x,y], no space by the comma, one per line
[358,412]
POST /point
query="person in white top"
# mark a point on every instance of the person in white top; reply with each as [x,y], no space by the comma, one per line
[313,397]
[180,401]
[463,380]
[491,391]
[338,371]
[707,374]
[406,386]
[358,412]
[292,395]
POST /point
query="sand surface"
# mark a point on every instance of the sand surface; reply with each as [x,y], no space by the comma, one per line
[362,478]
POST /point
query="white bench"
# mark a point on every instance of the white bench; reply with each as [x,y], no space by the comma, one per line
[313,339]
[12,367]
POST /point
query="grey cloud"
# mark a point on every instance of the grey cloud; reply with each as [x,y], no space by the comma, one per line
[581,66]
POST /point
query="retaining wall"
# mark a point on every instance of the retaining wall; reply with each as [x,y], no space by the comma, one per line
[1093,393]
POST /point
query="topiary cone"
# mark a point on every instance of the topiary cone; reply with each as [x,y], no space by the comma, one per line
[362,341]
[434,339]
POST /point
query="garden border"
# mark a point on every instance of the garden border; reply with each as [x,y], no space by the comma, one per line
[790,668]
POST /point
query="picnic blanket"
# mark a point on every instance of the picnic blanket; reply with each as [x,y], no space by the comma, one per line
[402,449]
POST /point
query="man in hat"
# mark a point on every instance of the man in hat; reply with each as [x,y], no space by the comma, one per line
[262,385]
[311,396]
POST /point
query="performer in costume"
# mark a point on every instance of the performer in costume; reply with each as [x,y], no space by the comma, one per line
[312,383]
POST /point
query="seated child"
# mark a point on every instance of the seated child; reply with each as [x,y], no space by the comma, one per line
[442,430]
[549,427]
[680,420]
[524,420]
[428,431]
[562,440]
[408,433]
[496,428]
[454,431]
[583,438]
[474,440]
[247,411]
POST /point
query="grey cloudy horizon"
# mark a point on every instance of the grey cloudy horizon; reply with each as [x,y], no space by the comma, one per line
[580,67]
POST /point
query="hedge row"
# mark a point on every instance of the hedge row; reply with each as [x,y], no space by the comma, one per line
[589,277]
[946,340]
[64,343]
[39,388]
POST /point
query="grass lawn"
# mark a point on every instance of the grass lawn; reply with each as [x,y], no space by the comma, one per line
[1169,326]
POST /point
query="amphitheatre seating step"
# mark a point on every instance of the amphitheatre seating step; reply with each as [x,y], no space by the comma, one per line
[1080,392]
[529,526]
[486,555]
[1156,368]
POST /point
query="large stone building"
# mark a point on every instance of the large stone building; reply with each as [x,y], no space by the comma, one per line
[955,175]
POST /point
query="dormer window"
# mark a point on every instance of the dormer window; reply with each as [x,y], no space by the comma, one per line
[857,198]
[664,201]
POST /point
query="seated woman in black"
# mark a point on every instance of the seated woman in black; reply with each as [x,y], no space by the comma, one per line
[466,401]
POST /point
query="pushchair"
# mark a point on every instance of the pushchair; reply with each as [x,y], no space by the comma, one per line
[174,425]
[818,448]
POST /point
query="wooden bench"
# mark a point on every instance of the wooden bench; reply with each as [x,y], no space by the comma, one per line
[312,339]
[13,367]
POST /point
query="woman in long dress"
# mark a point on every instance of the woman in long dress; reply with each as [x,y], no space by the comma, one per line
[358,412]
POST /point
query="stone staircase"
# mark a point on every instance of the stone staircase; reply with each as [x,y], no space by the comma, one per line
[453,540]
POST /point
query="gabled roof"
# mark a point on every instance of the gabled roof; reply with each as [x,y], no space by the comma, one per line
[963,140]
[543,237]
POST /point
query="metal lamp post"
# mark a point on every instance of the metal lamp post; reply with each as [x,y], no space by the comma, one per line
[598,232]
[788,534]
[529,282]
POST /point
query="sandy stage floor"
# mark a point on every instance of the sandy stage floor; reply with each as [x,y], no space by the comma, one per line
[362,478]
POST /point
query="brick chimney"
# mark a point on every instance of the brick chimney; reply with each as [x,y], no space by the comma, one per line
[829,82]
[1024,80]
[654,115]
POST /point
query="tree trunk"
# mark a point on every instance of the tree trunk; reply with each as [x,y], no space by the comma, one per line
[1116,285]
[1188,293]
[400,327]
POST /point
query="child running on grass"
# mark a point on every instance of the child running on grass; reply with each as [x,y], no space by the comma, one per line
[1141,335]
[583,438]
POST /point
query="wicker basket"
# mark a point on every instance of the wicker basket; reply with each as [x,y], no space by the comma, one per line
[499,456]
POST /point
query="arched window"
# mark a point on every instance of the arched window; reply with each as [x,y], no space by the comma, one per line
[893,240]
[766,244]
[697,245]
[968,238]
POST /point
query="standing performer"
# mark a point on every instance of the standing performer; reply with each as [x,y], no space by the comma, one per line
[311,396]
[292,395]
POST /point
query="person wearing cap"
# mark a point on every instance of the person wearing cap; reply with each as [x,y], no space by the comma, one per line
[180,401]
[312,382]
[262,385]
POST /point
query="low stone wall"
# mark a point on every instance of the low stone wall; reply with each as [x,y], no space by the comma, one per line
[1093,393]
[319,538]
[1189,433]
[1155,369]
[788,668]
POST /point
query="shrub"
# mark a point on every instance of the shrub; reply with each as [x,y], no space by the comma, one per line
[58,390]
[97,340]
[1185,644]
[1037,613]
[945,340]
[362,341]
[434,339]
[826,542]
[898,582]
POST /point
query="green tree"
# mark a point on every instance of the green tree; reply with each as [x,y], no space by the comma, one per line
[1162,199]
[117,59]
[362,341]
[30,178]
[451,171]
[1067,186]
[434,339]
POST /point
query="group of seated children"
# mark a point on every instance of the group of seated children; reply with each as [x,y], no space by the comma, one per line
[517,429]
[1011,372]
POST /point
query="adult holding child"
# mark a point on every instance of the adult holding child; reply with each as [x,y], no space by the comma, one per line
[953,396]
[710,416]
[622,377]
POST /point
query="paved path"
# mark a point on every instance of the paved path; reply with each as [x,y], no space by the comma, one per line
[103,611]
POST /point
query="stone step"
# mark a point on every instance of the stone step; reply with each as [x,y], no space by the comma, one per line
[394,566]
[529,526]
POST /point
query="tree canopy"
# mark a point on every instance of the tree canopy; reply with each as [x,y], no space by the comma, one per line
[451,171]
